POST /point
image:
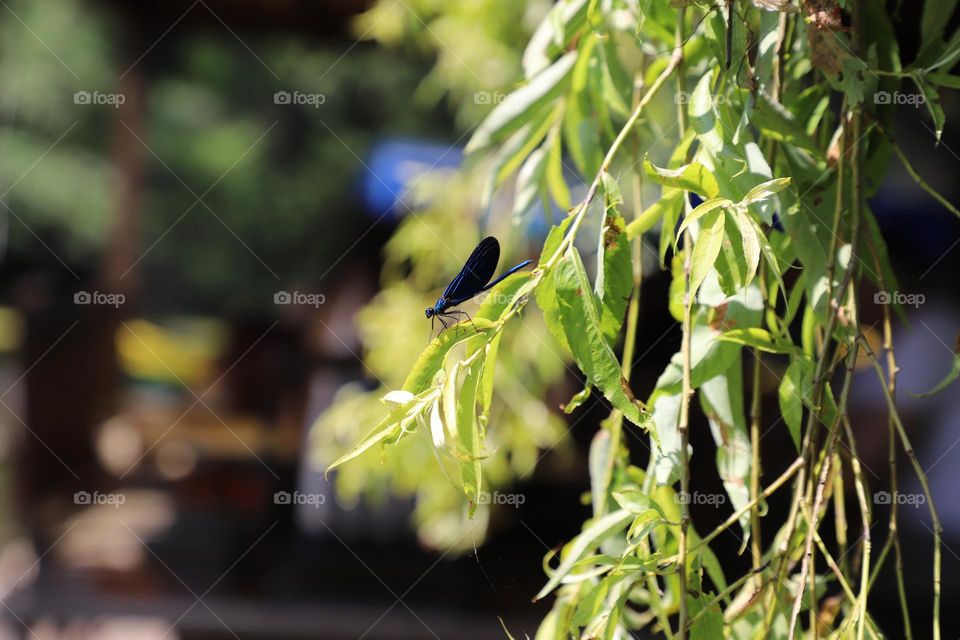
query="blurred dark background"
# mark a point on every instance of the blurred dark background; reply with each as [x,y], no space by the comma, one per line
[169,171]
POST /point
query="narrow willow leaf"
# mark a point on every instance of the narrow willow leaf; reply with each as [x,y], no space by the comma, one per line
[636,501]
[750,244]
[449,400]
[705,249]
[436,426]
[556,183]
[546,292]
[931,97]
[397,396]
[598,463]
[759,339]
[946,382]
[580,124]
[722,401]
[530,182]
[768,253]
[701,210]
[468,437]
[431,360]
[581,324]
[511,155]
[692,177]
[577,400]
[656,212]
[594,603]
[936,16]
[731,264]
[517,108]
[790,395]
[489,374]
[708,624]
[615,269]
[590,539]
[675,201]
[777,123]
[565,18]
[943,80]
[389,428]
[554,238]
[764,190]
[546,296]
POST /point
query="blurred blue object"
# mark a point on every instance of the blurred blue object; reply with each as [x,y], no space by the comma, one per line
[393,165]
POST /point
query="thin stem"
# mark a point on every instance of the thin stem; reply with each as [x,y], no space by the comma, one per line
[924,484]
[686,393]
[858,205]
[755,418]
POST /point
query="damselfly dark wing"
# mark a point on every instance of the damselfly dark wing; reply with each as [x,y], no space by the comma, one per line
[476,273]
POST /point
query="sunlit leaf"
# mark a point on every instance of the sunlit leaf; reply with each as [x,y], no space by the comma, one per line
[594,534]
[692,177]
[582,326]
[517,107]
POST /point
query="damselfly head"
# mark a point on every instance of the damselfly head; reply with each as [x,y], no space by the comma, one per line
[429,312]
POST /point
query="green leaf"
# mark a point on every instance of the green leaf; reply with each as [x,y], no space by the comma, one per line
[705,250]
[691,177]
[581,324]
[701,210]
[431,360]
[750,244]
[731,264]
[674,203]
[595,601]
[768,253]
[932,99]
[577,400]
[390,427]
[790,395]
[469,438]
[765,189]
[636,501]
[590,539]
[511,155]
[933,23]
[564,20]
[598,462]
[530,182]
[943,80]
[670,198]
[555,181]
[722,401]
[759,339]
[546,292]
[516,109]
[946,382]
[615,269]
